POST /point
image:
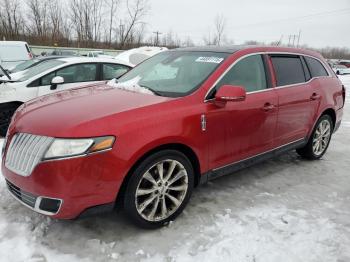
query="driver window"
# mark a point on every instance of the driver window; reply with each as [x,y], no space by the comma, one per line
[46,80]
[248,73]
[78,73]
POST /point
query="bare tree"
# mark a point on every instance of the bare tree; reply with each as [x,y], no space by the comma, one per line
[113,6]
[38,18]
[220,25]
[136,10]
[11,19]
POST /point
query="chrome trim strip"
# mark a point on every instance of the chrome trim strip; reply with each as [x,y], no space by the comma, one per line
[268,89]
[237,162]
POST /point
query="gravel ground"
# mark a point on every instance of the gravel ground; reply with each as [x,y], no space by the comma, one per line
[285,209]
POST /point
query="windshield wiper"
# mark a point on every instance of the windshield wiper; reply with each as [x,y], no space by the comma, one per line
[5,73]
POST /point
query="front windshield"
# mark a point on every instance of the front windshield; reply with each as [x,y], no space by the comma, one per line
[24,65]
[40,68]
[173,73]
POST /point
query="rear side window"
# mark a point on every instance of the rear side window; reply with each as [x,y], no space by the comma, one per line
[248,73]
[316,68]
[289,70]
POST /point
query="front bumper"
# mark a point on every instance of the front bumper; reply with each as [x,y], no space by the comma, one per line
[65,188]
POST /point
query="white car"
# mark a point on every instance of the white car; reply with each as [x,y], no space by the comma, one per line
[53,76]
[341,69]
[138,55]
[13,52]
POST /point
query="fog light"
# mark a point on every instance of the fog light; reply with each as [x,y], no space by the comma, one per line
[50,205]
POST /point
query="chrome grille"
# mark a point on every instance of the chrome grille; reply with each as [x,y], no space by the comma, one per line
[25,152]
[25,197]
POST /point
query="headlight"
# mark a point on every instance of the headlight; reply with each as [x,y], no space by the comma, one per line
[62,148]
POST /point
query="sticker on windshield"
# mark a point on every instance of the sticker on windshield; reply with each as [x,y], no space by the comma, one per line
[209,59]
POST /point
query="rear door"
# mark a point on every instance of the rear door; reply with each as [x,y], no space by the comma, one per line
[298,100]
[78,75]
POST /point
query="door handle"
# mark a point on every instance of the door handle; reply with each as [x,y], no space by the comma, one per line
[268,107]
[315,96]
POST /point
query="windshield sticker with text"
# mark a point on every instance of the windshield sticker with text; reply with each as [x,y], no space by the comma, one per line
[210,59]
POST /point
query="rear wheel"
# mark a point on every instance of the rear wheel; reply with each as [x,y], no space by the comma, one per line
[159,189]
[319,140]
[6,113]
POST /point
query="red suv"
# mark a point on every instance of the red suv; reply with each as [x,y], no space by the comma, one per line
[176,121]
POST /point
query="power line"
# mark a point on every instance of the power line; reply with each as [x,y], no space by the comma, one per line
[346,10]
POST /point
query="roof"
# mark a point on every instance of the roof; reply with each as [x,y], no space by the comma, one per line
[254,48]
[78,59]
[219,49]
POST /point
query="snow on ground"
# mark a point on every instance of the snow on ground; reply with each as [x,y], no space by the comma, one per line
[286,209]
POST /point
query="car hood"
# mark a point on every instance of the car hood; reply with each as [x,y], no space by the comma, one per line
[81,111]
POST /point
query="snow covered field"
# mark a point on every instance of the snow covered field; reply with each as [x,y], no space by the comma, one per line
[285,209]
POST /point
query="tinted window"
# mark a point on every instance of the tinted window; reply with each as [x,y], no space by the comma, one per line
[289,70]
[46,80]
[111,71]
[316,68]
[78,73]
[248,73]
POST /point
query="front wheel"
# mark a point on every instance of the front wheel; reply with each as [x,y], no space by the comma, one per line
[159,189]
[319,139]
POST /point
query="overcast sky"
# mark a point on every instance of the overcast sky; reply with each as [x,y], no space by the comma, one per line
[322,22]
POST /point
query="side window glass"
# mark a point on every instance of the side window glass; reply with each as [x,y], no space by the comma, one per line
[288,69]
[78,73]
[111,71]
[46,80]
[316,68]
[248,73]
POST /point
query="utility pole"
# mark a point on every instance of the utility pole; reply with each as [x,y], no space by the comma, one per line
[299,38]
[157,33]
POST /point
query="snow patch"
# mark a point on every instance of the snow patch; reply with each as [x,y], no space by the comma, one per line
[130,86]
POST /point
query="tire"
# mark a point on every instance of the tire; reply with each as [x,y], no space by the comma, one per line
[311,151]
[6,113]
[146,183]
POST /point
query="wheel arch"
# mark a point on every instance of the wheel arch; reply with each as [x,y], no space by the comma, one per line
[186,150]
[332,114]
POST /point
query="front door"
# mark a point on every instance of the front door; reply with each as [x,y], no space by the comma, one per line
[74,76]
[243,129]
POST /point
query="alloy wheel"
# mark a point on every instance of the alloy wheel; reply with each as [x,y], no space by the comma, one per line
[321,137]
[161,190]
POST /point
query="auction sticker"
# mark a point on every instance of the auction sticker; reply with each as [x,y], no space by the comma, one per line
[209,59]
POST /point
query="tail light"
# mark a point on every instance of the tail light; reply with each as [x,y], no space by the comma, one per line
[30,55]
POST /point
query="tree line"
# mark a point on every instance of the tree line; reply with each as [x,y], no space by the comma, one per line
[81,23]
[116,24]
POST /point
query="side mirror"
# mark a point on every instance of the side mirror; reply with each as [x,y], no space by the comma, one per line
[228,93]
[57,80]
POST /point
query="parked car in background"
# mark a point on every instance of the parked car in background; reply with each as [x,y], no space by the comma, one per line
[13,53]
[341,69]
[345,63]
[63,52]
[177,120]
[138,55]
[52,76]
[32,62]
[100,54]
